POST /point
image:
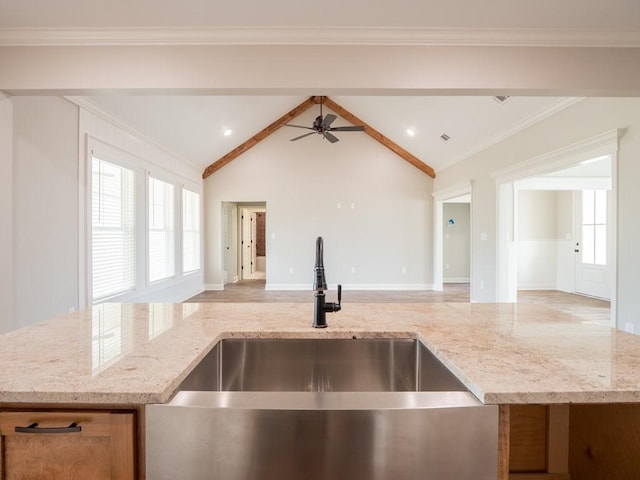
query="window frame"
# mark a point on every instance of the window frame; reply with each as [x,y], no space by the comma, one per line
[172,233]
[144,290]
[198,232]
[95,300]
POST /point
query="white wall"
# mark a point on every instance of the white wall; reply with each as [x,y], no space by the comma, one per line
[536,239]
[381,227]
[45,208]
[6,213]
[456,245]
[591,117]
[628,227]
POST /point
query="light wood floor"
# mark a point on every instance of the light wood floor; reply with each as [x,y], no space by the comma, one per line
[588,309]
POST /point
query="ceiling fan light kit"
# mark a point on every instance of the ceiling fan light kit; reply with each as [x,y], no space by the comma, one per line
[322,126]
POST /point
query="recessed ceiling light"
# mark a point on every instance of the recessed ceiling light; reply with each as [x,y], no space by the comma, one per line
[410,132]
[227,132]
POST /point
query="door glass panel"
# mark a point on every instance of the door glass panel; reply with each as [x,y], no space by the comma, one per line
[588,207]
[594,227]
[600,207]
[588,253]
[600,252]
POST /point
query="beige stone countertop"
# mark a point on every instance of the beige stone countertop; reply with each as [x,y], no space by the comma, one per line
[125,354]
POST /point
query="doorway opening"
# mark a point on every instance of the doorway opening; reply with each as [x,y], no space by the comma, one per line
[456,241]
[244,245]
[253,257]
[556,225]
[452,237]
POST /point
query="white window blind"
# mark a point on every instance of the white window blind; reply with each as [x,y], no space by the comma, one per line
[190,231]
[112,230]
[161,230]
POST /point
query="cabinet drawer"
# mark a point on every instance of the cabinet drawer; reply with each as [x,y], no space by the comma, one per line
[67,445]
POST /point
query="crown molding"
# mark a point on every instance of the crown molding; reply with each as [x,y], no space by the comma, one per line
[532,120]
[96,109]
[317,36]
[604,144]
[563,183]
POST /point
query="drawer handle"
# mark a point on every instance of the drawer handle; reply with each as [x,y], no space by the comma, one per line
[33,428]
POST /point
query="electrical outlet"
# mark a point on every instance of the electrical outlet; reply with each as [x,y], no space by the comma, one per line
[446,266]
[290,269]
[629,327]
[481,284]
[404,269]
[353,269]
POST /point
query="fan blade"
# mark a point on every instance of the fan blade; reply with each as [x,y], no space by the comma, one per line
[301,136]
[297,126]
[355,128]
[330,137]
[329,119]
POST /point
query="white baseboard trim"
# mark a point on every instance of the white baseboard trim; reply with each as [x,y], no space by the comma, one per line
[354,286]
[534,286]
[213,286]
[456,280]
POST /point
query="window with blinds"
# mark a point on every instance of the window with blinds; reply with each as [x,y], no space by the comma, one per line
[190,231]
[161,230]
[112,230]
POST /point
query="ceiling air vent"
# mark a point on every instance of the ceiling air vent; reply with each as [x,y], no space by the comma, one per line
[501,98]
[445,137]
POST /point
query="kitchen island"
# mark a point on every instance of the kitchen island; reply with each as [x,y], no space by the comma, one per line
[569,392]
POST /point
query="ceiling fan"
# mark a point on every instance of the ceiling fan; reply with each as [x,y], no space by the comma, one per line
[322,126]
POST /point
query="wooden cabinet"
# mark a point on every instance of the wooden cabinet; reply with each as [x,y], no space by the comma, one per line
[566,442]
[43,446]
[538,442]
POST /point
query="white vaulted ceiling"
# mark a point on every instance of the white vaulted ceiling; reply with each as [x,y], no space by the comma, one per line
[192,126]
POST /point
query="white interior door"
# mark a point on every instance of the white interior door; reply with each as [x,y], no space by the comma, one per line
[591,247]
[225,242]
[254,261]
[246,244]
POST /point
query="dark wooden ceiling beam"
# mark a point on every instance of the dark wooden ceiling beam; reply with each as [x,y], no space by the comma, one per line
[258,137]
[303,107]
[376,135]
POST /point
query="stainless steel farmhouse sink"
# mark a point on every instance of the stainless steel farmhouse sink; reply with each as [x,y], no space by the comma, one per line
[321,409]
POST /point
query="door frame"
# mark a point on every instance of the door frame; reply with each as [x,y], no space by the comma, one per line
[249,209]
[439,198]
[597,146]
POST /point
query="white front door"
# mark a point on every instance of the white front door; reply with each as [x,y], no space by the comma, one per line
[591,247]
